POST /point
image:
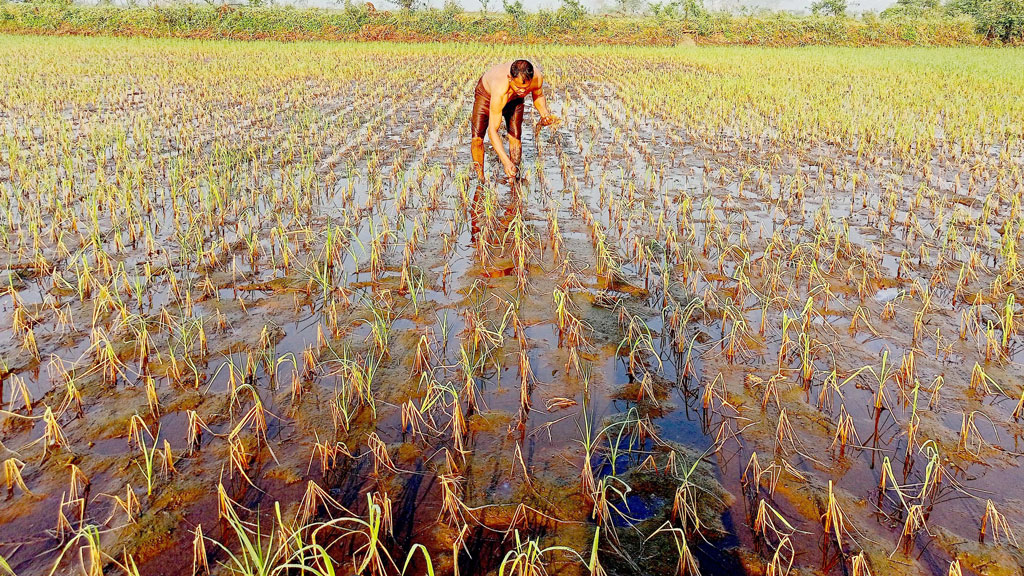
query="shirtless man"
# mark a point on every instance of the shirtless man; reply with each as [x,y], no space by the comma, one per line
[501,93]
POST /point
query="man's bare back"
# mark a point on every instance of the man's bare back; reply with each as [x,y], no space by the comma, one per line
[496,81]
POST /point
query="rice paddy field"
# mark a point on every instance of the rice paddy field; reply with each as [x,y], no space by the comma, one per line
[747,311]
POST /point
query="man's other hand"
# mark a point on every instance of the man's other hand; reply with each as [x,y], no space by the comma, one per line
[549,120]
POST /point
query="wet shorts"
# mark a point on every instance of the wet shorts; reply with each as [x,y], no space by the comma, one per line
[512,112]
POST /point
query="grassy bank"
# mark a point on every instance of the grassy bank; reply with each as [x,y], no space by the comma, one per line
[559,26]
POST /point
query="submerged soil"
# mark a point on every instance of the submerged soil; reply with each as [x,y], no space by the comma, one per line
[280,290]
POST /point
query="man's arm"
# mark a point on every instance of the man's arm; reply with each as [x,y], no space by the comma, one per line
[492,131]
[539,102]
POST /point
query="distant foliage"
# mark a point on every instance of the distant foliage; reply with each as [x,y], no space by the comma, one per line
[829,7]
[914,8]
[676,9]
[515,9]
[996,20]
[452,8]
[631,6]
[571,11]
[1001,20]
[675,22]
[356,13]
[450,16]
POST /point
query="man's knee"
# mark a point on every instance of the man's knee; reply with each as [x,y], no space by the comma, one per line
[477,141]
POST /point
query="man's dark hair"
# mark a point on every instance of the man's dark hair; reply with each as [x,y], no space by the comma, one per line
[522,69]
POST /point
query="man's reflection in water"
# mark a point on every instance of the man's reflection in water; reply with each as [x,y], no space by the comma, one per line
[478,216]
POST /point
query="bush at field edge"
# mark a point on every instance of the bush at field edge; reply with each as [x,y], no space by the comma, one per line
[362,22]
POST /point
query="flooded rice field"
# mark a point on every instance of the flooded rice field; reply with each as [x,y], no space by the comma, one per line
[746,312]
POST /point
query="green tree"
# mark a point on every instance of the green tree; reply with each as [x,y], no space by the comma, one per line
[631,6]
[515,10]
[910,8]
[691,8]
[829,7]
[997,19]
[356,14]
[685,9]
[571,11]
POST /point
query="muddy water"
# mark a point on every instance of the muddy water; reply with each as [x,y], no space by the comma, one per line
[288,231]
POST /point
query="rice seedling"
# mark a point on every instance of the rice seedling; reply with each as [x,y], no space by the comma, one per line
[859,565]
[381,458]
[79,485]
[20,391]
[771,528]
[686,564]
[90,554]
[845,431]
[781,562]
[53,433]
[370,556]
[609,489]
[914,523]
[259,554]
[835,526]
[129,505]
[200,563]
[63,528]
[995,522]
[971,439]
[12,477]
[453,510]
[314,500]
[328,454]
[589,441]
[194,431]
[422,361]
[527,558]
[785,441]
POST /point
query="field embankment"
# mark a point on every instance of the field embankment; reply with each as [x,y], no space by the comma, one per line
[452,25]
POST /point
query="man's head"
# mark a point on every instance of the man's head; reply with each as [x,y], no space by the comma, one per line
[520,75]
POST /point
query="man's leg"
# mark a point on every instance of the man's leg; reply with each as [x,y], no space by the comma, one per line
[477,150]
[478,121]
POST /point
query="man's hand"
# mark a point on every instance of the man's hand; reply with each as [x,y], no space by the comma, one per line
[549,120]
[510,169]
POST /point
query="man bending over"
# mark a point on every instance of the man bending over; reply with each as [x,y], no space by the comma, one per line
[501,93]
